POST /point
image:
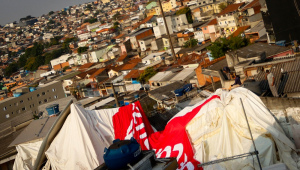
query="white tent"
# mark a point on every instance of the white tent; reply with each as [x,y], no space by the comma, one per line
[218,130]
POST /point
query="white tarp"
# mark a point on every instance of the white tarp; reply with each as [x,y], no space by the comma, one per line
[219,130]
[27,154]
[82,139]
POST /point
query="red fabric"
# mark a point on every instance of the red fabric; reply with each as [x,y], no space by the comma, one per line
[172,142]
[131,121]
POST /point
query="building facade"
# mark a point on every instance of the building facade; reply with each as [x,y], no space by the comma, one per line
[15,106]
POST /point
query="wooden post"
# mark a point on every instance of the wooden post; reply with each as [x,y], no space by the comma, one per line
[213,83]
[116,99]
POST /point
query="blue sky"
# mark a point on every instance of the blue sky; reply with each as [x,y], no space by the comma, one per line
[13,10]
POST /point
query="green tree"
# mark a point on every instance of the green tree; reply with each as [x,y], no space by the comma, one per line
[13,67]
[20,32]
[82,50]
[96,13]
[190,43]
[66,68]
[89,7]
[116,23]
[222,6]
[146,75]
[51,22]
[50,13]
[187,11]
[222,45]
[64,13]
[90,20]
[115,17]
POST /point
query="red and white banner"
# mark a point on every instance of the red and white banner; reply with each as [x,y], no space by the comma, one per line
[131,121]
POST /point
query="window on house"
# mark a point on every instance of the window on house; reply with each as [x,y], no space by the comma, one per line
[205,28]
[45,100]
[177,19]
[32,105]
[220,23]
[16,104]
[233,21]
[229,22]
[143,49]
[4,108]
[23,109]
[43,93]
[10,105]
[40,102]
[21,101]
[47,90]
[49,98]
[55,97]
[28,99]
[7,116]
[38,95]
[53,90]
[12,113]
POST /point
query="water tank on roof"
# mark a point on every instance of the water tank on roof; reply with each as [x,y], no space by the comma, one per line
[187,87]
[53,109]
[121,153]
[179,92]
[17,94]
[280,43]
[31,89]
[136,96]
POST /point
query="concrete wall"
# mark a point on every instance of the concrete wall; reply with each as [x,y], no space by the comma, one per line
[286,111]
[14,106]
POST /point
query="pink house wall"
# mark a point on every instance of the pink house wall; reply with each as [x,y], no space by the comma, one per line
[205,31]
[282,54]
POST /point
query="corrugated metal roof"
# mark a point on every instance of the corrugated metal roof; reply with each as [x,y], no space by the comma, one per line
[160,75]
[181,76]
[290,82]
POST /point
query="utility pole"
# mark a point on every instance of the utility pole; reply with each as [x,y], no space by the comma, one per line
[116,99]
[171,43]
[213,83]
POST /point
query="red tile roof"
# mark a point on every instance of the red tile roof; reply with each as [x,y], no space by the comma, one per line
[136,60]
[250,5]
[133,74]
[142,22]
[122,57]
[90,72]
[119,36]
[85,66]
[213,22]
[129,66]
[97,73]
[231,8]
[103,30]
[239,31]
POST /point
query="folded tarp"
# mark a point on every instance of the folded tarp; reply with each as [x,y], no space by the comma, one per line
[27,154]
[212,129]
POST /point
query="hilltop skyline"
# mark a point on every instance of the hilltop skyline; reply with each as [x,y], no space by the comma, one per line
[13,10]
